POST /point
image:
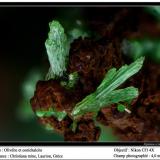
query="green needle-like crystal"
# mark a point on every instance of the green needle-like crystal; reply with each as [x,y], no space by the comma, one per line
[106,94]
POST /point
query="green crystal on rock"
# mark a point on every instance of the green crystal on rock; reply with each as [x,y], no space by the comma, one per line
[60,115]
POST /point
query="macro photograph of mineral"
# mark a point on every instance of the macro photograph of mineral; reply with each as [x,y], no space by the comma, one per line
[80,74]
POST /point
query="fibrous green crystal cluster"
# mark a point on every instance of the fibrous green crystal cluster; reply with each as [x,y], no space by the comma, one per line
[106,94]
[57,46]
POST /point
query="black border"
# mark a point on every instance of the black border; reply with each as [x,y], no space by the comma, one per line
[29,143]
[77,4]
